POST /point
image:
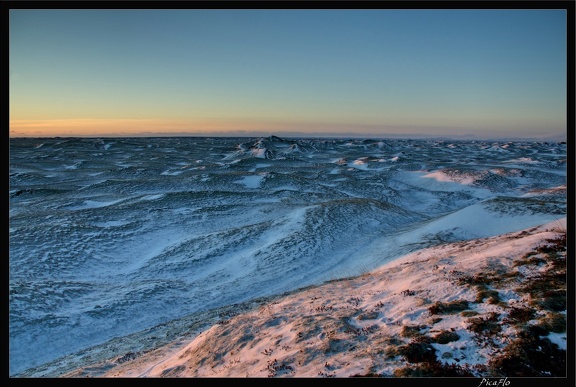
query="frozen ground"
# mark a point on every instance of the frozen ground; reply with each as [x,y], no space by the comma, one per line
[123,239]
[465,309]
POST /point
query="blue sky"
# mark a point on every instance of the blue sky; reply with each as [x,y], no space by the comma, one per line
[483,73]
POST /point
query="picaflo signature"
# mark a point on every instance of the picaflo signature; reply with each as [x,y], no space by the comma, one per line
[494,382]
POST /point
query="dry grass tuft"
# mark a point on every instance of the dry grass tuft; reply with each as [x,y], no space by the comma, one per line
[446,337]
[448,307]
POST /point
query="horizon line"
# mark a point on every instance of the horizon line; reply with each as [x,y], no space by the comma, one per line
[560,137]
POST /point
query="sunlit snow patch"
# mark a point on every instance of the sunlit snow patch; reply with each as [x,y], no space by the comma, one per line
[561,189]
[359,164]
[475,221]
[442,176]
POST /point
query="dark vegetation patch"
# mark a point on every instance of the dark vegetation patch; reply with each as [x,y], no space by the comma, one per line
[553,300]
[555,245]
[484,283]
[392,346]
[276,368]
[346,326]
[519,315]
[492,295]
[434,368]
[530,355]
[488,325]
[127,357]
[530,258]
[370,315]
[481,279]
[446,337]
[547,291]
[520,206]
[448,307]
[553,322]
[411,331]
[545,282]
[418,352]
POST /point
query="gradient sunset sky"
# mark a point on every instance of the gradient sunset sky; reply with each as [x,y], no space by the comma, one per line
[375,72]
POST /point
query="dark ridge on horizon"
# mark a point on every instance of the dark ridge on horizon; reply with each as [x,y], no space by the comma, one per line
[302,135]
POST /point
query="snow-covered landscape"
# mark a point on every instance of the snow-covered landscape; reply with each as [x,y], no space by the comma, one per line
[465,309]
[276,257]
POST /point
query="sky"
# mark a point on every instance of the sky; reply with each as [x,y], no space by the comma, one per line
[301,72]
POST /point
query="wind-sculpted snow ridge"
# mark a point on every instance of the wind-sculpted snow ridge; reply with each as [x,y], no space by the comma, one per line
[110,237]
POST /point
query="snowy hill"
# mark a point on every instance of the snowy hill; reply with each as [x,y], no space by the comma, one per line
[491,307]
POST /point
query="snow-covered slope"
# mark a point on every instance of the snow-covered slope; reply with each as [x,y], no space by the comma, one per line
[458,309]
[112,237]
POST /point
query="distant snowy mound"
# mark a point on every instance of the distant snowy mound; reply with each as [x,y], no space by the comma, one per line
[272,148]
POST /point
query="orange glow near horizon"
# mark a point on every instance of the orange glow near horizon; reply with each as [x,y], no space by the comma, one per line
[123,127]
[156,127]
[132,127]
